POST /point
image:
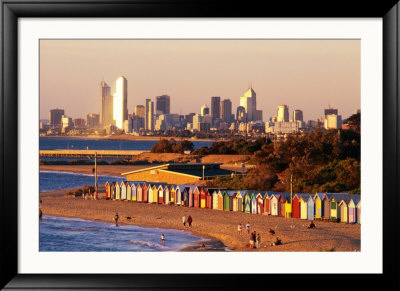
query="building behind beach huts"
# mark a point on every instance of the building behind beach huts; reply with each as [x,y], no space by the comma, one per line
[178,173]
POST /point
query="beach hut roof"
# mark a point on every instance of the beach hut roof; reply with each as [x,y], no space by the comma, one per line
[305,196]
[343,202]
[344,196]
[231,192]
[319,195]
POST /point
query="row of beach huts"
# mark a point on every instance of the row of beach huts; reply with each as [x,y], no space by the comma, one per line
[340,207]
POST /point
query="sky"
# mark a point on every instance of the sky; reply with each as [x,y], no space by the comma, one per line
[308,75]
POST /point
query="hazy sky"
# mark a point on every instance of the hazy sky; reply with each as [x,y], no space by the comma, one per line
[303,74]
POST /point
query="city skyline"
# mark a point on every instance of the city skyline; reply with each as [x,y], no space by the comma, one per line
[304,74]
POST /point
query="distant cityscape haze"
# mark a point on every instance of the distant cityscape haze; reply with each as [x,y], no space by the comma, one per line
[308,75]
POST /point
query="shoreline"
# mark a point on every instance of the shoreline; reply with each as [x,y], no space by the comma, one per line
[219,226]
[134,137]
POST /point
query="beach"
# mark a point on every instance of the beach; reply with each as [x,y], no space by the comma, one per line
[219,226]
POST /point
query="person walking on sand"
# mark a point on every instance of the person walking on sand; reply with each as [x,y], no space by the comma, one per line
[240,229]
[184,220]
[248,227]
[258,241]
[116,217]
[162,239]
[190,220]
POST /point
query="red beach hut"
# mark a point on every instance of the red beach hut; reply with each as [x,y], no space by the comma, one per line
[209,200]
[145,193]
[296,207]
[260,204]
[202,198]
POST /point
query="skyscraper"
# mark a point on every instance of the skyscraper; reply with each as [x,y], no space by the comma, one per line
[204,110]
[215,107]
[149,115]
[55,117]
[120,104]
[283,113]
[106,104]
[241,114]
[140,111]
[249,102]
[226,110]
[297,115]
[163,104]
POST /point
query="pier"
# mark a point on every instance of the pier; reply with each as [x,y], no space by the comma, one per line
[123,154]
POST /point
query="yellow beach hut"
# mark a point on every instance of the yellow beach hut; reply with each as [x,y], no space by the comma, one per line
[342,211]
[123,190]
[215,200]
[150,193]
[303,207]
[220,201]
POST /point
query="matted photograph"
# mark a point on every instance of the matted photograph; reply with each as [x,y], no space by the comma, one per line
[199,145]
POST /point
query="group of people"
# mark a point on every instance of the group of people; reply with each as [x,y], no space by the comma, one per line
[187,220]
[255,238]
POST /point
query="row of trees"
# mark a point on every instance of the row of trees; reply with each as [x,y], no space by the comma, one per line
[172,146]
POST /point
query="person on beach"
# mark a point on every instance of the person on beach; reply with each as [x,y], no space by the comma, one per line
[248,227]
[277,242]
[240,229]
[116,217]
[190,220]
[184,220]
[254,237]
[40,214]
[258,241]
[162,239]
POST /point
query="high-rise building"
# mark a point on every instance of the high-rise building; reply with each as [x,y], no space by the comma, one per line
[297,115]
[140,111]
[163,104]
[331,110]
[79,122]
[332,121]
[215,107]
[149,115]
[249,102]
[204,110]
[106,104]
[93,120]
[283,113]
[120,104]
[66,121]
[241,114]
[55,117]
[226,110]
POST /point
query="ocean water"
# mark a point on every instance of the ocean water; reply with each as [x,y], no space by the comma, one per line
[53,180]
[51,143]
[62,234]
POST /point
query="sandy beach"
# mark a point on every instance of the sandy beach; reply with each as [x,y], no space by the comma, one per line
[220,226]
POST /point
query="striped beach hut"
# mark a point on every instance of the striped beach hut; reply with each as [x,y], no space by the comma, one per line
[133,191]
[117,191]
[358,207]
[296,206]
[166,195]
[260,203]
[196,197]
[139,193]
[202,197]
[215,200]
[160,194]
[342,211]
[247,202]
[266,202]
[234,202]
[274,205]
[123,190]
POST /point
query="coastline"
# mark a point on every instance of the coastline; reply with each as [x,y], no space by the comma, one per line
[133,137]
[219,226]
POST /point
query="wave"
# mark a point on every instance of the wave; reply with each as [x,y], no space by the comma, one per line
[147,244]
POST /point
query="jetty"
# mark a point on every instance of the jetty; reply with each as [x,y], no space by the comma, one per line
[63,153]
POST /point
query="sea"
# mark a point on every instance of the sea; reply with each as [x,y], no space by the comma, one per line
[64,234]
[52,143]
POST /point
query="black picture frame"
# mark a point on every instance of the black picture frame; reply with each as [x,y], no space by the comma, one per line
[13,9]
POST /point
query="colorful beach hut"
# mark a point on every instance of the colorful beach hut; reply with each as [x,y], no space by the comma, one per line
[260,203]
[326,212]
[358,206]
[266,203]
[239,197]
[128,191]
[288,208]
[281,202]
[215,200]
[333,209]
[202,197]
[186,196]
[117,191]
[123,190]
[196,197]
[247,203]
[133,191]
[209,200]
[342,211]
[234,202]
[225,197]
[253,205]
[274,205]
[178,194]
[310,208]
[145,192]
[352,212]
[139,193]
[107,186]
[150,193]
[172,194]
[160,194]
[318,198]
[303,207]
[296,207]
